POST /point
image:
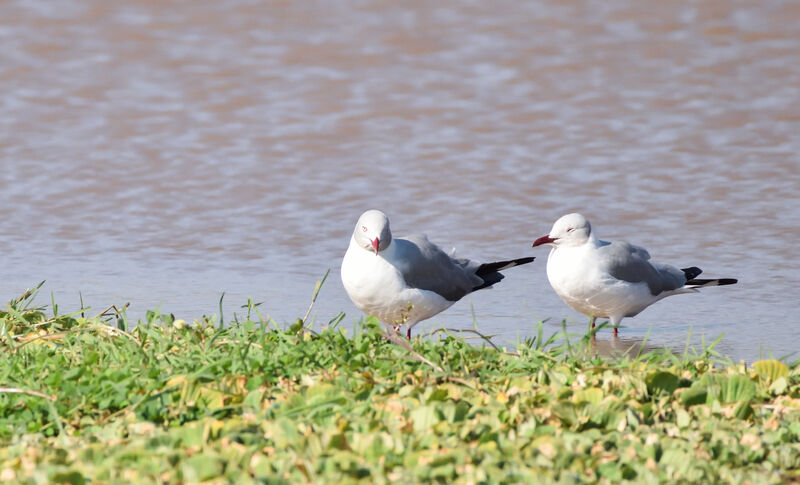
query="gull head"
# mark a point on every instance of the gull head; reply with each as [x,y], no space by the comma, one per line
[372,231]
[570,230]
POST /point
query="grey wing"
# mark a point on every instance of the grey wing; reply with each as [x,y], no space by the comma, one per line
[424,265]
[631,263]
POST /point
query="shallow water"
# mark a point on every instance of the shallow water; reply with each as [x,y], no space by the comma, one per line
[162,153]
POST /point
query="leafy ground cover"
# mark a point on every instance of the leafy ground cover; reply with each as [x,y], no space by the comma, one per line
[90,399]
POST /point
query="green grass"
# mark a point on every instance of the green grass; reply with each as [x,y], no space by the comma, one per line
[90,399]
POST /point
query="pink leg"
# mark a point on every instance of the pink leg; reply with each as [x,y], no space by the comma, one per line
[409,334]
[615,321]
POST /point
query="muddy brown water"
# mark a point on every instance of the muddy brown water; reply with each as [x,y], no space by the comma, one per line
[164,152]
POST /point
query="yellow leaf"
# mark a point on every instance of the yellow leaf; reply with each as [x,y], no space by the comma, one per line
[770,370]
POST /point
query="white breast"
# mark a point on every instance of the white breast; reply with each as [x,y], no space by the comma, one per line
[577,277]
[377,288]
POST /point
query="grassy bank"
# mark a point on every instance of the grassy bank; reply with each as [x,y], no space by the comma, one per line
[94,399]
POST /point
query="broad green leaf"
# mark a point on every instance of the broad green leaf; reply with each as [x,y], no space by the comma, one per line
[778,386]
[610,470]
[736,388]
[70,478]
[260,466]
[682,418]
[201,467]
[744,410]
[424,417]
[694,395]
[770,370]
[661,382]
[592,395]
[212,398]
[254,399]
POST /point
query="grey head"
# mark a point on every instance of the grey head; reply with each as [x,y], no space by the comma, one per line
[569,230]
[372,231]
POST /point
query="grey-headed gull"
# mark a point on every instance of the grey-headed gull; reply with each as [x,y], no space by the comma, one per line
[610,279]
[404,280]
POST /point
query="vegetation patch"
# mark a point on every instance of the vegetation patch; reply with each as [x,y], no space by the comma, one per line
[92,399]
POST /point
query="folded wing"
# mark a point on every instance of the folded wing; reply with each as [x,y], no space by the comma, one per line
[631,263]
[425,266]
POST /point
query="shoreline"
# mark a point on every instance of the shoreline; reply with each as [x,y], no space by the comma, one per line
[86,398]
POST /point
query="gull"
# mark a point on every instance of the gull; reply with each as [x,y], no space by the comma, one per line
[611,280]
[404,280]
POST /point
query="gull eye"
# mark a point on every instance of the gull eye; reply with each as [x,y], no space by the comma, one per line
[570,229]
[364,228]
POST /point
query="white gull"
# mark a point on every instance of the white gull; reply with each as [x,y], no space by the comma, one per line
[610,279]
[405,280]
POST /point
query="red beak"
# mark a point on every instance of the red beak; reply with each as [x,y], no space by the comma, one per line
[375,243]
[543,240]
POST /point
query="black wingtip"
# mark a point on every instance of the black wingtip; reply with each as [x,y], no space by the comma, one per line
[717,282]
[691,273]
[487,268]
[490,272]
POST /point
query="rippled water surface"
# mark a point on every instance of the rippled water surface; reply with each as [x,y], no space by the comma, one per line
[164,152]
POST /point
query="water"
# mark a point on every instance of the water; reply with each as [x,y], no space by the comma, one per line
[162,153]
